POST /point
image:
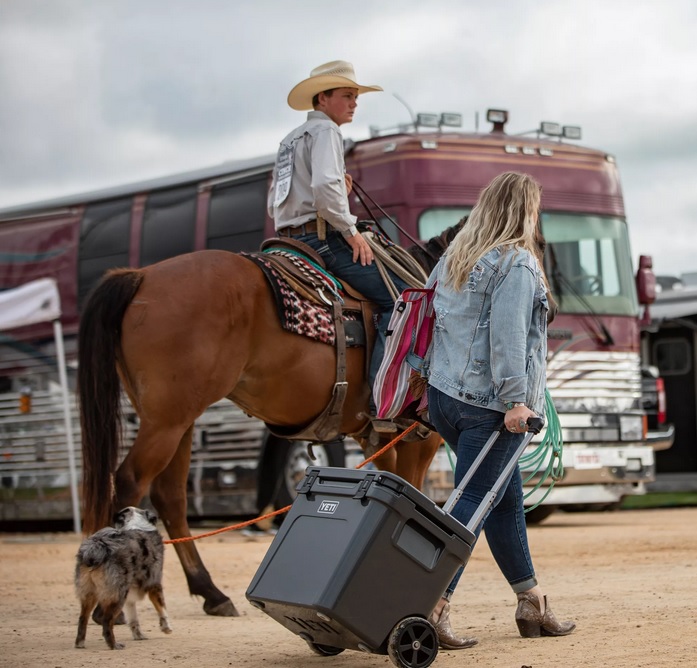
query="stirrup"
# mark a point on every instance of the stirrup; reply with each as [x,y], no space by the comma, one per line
[383,426]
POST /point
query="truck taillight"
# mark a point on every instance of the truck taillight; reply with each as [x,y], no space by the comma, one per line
[661,392]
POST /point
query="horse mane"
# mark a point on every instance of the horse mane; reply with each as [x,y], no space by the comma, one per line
[432,250]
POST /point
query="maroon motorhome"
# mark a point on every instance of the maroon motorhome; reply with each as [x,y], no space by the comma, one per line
[426,180]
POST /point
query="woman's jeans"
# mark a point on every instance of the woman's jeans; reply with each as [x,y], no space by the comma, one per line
[338,257]
[467,428]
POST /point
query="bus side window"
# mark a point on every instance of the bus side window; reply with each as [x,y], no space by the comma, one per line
[168,224]
[236,215]
[104,240]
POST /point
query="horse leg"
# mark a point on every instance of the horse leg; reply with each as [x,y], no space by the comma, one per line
[414,458]
[168,495]
[409,460]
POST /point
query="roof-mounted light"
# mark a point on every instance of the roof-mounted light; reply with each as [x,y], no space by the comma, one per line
[428,120]
[499,117]
[449,120]
[550,129]
[571,132]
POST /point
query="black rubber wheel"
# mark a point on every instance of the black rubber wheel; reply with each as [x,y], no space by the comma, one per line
[324,650]
[413,643]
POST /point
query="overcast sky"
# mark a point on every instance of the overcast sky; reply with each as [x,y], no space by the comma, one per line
[97,93]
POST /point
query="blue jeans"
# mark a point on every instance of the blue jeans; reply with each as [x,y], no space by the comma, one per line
[466,428]
[338,256]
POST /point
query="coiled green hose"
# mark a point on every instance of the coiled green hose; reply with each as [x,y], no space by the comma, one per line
[547,455]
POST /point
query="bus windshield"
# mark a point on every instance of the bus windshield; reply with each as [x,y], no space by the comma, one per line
[589,265]
[435,220]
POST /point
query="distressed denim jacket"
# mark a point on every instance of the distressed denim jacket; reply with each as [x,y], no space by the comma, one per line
[490,338]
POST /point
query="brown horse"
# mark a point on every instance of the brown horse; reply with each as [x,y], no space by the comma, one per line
[181,335]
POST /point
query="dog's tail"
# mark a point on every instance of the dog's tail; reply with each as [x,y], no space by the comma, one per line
[99,391]
[94,552]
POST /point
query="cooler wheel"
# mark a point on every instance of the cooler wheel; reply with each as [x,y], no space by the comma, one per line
[324,650]
[413,643]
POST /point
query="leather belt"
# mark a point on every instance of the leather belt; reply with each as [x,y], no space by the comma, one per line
[309,227]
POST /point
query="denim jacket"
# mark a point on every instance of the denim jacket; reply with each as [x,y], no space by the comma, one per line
[490,338]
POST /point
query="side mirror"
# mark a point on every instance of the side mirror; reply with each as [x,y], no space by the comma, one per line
[646,280]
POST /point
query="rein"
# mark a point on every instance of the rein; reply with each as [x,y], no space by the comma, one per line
[358,189]
[280,511]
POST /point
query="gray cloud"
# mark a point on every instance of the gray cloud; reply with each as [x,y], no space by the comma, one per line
[97,94]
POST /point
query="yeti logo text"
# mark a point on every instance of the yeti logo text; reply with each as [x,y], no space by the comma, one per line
[328,507]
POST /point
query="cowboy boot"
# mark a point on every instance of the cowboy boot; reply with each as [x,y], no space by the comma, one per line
[533,624]
[446,636]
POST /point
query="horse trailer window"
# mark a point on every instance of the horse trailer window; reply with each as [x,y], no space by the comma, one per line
[237,215]
[105,233]
[168,224]
[673,357]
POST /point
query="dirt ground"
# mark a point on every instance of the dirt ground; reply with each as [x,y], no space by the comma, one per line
[628,578]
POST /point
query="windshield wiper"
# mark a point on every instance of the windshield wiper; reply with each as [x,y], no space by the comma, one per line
[560,282]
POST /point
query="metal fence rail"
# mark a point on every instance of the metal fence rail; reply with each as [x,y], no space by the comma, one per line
[34,457]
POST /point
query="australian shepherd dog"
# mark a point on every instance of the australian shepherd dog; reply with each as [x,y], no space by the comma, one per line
[116,567]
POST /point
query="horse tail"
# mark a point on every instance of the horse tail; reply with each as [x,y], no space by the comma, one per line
[99,391]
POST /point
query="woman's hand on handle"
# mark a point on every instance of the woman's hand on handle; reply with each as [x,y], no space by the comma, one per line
[516,420]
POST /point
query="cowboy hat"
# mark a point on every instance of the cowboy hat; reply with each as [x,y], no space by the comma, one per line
[336,74]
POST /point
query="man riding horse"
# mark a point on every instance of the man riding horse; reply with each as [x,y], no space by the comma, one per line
[308,199]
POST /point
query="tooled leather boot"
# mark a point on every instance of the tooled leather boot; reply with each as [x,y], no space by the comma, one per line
[533,624]
[446,636]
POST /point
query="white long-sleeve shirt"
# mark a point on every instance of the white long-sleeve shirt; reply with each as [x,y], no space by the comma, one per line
[309,177]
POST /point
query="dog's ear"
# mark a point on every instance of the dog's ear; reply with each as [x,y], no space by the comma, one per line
[119,518]
[151,517]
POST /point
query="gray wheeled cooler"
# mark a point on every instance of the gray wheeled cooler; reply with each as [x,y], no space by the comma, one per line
[359,563]
[363,557]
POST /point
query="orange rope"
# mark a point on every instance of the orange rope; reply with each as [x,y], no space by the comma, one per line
[241,525]
[393,442]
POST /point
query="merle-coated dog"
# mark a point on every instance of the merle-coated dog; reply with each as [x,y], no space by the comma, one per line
[118,566]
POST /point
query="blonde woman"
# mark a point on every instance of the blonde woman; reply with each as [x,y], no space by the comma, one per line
[488,364]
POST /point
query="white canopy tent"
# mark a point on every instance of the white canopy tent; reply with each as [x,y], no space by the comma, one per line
[29,304]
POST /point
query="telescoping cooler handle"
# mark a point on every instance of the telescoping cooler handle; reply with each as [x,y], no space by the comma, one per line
[535,425]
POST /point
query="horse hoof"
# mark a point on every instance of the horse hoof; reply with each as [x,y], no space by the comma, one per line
[224,609]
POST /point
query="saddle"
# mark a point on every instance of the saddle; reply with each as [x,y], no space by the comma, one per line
[304,272]
[281,251]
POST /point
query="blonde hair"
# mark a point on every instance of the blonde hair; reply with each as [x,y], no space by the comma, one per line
[505,215]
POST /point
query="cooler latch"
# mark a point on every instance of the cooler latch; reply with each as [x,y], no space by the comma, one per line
[306,486]
[364,486]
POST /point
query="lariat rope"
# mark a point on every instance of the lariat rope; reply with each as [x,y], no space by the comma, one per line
[390,256]
[280,511]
